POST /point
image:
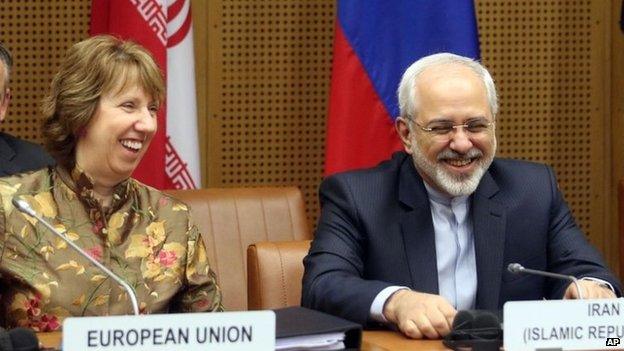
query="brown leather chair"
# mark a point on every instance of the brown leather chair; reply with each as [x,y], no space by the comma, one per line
[274,274]
[232,219]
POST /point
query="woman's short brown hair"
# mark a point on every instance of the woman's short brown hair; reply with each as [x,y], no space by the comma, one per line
[93,67]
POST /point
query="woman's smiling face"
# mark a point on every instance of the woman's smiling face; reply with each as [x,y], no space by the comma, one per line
[118,135]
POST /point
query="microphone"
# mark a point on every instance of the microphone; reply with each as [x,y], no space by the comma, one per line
[475,330]
[18,339]
[517,268]
[24,207]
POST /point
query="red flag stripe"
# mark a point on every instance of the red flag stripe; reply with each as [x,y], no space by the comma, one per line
[366,122]
[179,35]
[174,9]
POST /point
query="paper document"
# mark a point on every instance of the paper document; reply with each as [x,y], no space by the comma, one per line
[314,342]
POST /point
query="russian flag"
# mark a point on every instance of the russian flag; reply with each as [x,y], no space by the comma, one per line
[375,41]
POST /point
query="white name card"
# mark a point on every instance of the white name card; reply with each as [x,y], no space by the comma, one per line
[224,331]
[564,325]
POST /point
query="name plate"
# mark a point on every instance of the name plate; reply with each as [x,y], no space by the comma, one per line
[223,331]
[564,325]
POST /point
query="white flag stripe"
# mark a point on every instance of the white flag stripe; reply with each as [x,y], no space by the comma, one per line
[181,104]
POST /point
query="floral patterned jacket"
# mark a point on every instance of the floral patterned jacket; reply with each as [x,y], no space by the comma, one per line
[145,236]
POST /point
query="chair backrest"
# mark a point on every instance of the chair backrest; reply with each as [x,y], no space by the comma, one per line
[230,219]
[275,270]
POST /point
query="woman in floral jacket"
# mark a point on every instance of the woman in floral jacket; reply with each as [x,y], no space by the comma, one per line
[100,119]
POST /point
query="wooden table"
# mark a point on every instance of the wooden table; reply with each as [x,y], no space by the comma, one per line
[371,341]
[50,340]
[383,340]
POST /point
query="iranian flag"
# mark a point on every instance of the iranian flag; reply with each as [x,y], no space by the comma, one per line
[164,27]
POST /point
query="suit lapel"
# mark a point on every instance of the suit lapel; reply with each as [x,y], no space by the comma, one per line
[489,218]
[417,230]
[7,166]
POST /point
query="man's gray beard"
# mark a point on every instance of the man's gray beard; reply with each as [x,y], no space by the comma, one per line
[454,185]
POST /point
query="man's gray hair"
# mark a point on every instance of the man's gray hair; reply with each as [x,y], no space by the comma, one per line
[406,92]
[7,61]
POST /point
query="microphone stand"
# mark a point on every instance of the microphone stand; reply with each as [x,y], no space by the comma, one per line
[517,268]
[24,207]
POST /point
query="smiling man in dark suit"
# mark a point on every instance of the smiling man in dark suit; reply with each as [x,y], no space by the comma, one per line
[431,231]
[16,155]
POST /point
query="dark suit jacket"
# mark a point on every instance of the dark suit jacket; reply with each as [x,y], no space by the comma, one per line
[17,156]
[376,230]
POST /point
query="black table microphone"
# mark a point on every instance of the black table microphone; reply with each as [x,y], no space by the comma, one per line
[475,330]
[18,339]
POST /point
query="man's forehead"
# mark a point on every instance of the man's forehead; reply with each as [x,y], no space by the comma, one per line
[448,92]
[449,80]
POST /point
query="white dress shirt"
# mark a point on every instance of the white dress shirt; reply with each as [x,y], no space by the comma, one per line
[455,254]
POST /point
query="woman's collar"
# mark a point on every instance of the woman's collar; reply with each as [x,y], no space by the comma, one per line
[83,185]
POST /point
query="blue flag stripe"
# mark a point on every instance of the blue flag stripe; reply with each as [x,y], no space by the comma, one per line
[389,35]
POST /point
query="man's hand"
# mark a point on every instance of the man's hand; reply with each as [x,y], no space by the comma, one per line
[591,290]
[420,315]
